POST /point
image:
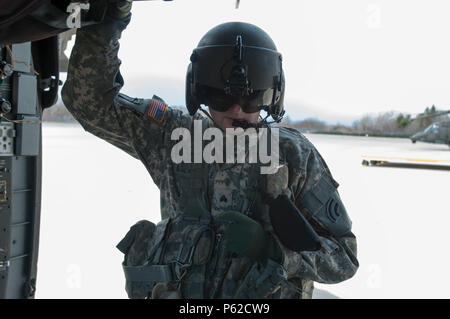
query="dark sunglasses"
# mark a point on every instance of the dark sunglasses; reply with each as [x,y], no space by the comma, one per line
[254,102]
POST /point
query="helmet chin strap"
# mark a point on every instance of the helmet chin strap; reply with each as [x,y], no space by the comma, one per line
[206,113]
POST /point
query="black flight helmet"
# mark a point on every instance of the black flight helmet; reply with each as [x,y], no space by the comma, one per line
[236,63]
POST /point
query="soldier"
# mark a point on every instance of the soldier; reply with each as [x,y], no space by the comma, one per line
[227,231]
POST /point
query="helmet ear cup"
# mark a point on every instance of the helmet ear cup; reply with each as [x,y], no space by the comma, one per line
[192,103]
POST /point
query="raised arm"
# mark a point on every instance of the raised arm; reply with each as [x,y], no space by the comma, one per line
[91,91]
[91,94]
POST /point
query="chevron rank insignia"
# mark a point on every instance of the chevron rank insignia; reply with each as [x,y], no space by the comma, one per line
[157,110]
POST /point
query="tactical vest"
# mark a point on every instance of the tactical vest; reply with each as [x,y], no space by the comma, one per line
[183,257]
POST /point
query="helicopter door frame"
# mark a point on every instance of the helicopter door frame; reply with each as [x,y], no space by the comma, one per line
[20,172]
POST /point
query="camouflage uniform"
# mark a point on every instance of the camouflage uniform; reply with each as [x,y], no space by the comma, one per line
[91,94]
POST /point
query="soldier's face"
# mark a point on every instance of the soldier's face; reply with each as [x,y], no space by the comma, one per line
[225,119]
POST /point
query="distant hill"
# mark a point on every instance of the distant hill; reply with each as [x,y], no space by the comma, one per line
[57,113]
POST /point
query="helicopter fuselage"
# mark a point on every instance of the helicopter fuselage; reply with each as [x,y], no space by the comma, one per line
[438,133]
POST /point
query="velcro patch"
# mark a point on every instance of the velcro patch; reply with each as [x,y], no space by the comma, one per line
[157,110]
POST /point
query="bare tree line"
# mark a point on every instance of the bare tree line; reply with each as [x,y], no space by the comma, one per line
[385,124]
[381,124]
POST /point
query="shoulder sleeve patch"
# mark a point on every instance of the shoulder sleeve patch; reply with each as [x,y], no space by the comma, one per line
[156,110]
[325,205]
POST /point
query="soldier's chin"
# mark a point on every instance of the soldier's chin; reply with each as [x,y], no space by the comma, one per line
[228,123]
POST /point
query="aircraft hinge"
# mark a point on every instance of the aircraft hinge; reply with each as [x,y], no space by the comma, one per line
[4,264]
[7,136]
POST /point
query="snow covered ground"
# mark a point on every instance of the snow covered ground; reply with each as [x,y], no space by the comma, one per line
[93,192]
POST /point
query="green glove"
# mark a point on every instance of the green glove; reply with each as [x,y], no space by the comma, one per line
[246,237]
[273,250]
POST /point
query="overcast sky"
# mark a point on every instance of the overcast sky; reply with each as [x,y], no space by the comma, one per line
[342,59]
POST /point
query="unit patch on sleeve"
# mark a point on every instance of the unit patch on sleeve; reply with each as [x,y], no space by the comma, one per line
[157,110]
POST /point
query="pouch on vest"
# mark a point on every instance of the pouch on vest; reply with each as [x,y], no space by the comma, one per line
[174,251]
[139,246]
[188,249]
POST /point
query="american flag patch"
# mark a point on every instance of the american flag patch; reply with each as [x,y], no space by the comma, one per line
[157,110]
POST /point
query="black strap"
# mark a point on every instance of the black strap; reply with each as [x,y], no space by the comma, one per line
[52,16]
[154,273]
[291,227]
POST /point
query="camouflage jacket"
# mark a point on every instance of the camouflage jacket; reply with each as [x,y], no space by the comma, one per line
[91,94]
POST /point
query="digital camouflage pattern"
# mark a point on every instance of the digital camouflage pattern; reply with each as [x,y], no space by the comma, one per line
[91,94]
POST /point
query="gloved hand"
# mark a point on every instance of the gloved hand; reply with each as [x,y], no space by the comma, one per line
[246,237]
[119,9]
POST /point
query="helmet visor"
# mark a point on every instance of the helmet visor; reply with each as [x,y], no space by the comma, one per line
[214,66]
[218,100]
